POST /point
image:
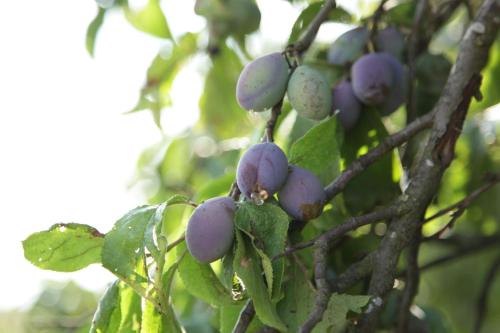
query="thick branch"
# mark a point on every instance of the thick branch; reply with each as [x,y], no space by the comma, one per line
[308,37]
[376,153]
[450,113]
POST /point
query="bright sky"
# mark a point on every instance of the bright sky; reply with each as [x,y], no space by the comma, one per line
[68,152]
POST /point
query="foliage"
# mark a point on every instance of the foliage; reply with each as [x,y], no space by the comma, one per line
[160,287]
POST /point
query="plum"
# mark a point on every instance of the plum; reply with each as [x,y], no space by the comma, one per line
[309,93]
[397,94]
[302,196]
[347,103]
[210,230]
[261,171]
[390,40]
[348,47]
[372,78]
[262,83]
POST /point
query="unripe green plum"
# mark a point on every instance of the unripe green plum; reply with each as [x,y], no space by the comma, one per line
[262,83]
[348,47]
[302,196]
[210,230]
[309,93]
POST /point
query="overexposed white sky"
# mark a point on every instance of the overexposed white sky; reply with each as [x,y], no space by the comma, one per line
[67,151]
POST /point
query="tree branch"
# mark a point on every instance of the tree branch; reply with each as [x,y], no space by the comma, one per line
[349,225]
[460,206]
[271,123]
[411,109]
[450,111]
[480,244]
[376,153]
[412,282]
[482,302]
[308,37]
[245,318]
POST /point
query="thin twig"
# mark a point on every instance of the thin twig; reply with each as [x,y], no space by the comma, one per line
[271,123]
[245,318]
[482,243]
[482,302]
[376,153]
[412,282]
[310,34]
[414,39]
[176,242]
[349,225]
[461,205]
[377,15]
[323,291]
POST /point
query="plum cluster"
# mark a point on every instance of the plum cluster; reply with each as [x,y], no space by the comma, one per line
[262,172]
[264,81]
[375,79]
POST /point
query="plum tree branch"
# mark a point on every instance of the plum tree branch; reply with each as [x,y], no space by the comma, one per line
[460,206]
[414,38]
[349,225]
[462,85]
[245,318]
[476,245]
[412,282]
[482,302]
[309,35]
[373,155]
[271,123]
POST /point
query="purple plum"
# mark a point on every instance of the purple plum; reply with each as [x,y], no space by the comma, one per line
[210,230]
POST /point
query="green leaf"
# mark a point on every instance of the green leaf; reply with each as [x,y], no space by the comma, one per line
[307,15]
[334,319]
[298,300]
[375,186]
[155,94]
[124,244]
[119,310]
[319,150]
[149,19]
[247,266]
[93,29]
[64,247]
[107,315]
[130,309]
[402,14]
[267,226]
[201,281]
[219,109]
